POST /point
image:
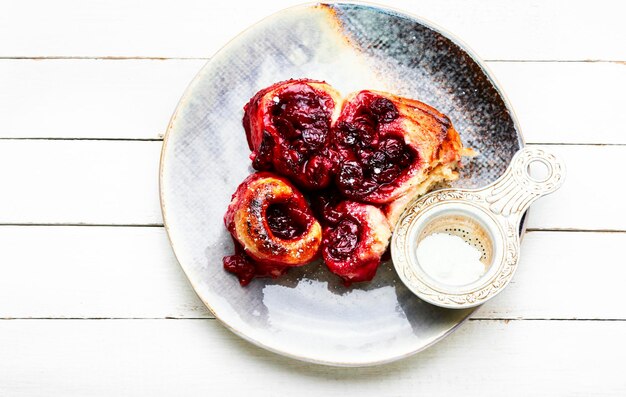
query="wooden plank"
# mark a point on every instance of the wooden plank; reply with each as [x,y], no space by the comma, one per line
[165,357]
[92,272]
[566,102]
[130,272]
[564,275]
[91,98]
[512,30]
[115,182]
[556,102]
[94,182]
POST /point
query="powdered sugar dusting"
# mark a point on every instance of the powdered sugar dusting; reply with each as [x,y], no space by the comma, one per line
[449,259]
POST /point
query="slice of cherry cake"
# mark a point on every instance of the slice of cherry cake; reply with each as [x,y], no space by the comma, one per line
[355,241]
[288,128]
[393,147]
[272,226]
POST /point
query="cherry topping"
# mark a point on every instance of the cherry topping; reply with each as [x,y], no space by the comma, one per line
[262,159]
[302,107]
[392,147]
[346,134]
[353,246]
[301,116]
[364,155]
[299,147]
[373,156]
[318,170]
[387,174]
[350,176]
[383,110]
[314,137]
[376,162]
[368,136]
[285,221]
[324,204]
[290,159]
[245,268]
[241,266]
[343,239]
[286,128]
[302,113]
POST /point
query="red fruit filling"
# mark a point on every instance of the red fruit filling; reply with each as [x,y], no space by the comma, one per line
[353,245]
[272,226]
[295,126]
[373,150]
[342,239]
[286,221]
[368,155]
[246,268]
[324,204]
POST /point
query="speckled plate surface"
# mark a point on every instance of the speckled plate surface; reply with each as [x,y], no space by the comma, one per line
[309,314]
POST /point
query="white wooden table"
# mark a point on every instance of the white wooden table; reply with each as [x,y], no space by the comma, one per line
[92,301]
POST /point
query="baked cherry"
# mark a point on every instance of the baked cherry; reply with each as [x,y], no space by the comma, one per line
[383,110]
[273,227]
[246,268]
[324,204]
[285,222]
[288,127]
[241,266]
[343,239]
[319,170]
[355,242]
[350,176]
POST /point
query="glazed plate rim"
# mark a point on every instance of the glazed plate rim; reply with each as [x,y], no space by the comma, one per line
[188,94]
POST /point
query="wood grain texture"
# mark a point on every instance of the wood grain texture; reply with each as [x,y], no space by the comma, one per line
[61,272]
[94,182]
[504,30]
[564,275]
[192,357]
[92,272]
[91,98]
[116,182]
[130,272]
[566,102]
[134,99]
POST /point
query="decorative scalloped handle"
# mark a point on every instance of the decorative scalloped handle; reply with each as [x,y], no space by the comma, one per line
[514,191]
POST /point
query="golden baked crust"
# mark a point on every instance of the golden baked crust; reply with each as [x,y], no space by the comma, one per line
[247,221]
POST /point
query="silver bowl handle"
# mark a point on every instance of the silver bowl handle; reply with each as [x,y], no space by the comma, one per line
[516,189]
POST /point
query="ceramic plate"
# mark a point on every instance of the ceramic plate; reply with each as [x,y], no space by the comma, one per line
[309,314]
